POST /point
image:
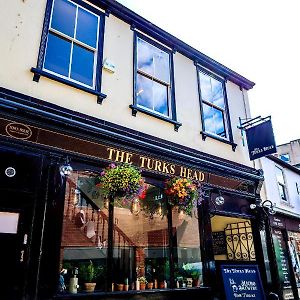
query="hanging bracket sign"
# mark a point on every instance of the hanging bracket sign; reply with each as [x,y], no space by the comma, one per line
[260,137]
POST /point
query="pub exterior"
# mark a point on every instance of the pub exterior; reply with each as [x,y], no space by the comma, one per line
[102,85]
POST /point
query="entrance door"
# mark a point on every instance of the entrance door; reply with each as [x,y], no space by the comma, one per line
[15,229]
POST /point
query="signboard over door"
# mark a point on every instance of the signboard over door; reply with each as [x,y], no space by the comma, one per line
[260,139]
[242,282]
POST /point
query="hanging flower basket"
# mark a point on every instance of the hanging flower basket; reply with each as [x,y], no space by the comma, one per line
[122,180]
[182,193]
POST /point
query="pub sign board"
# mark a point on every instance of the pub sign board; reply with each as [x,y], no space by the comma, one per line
[260,139]
[242,282]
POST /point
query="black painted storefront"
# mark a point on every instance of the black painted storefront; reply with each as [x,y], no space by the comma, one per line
[41,137]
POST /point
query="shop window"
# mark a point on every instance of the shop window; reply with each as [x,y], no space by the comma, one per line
[214,110]
[232,239]
[84,236]
[187,256]
[147,233]
[154,87]
[281,183]
[294,251]
[71,46]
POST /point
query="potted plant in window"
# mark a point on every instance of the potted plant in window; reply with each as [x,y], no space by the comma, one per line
[143,282]
[88,273]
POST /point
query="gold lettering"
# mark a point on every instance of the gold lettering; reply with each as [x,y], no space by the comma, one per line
[195,177]
[158,165]
[189,174]
[128,158]
[165,168]
[172,169]
[142,158]
[111,151]
[120,156]
[182,172]
[150,163]
[201,176]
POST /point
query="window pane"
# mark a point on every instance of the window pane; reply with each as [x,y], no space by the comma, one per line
[63,17]
[57,56]
[87,26]
[82,65]
[279,175]
[160,98]
[144,92]
[282,192]
[187,257]
[205,87]
[213,120]
[153,61]
[141,241]
[85,228]
[217,93]
[152,95]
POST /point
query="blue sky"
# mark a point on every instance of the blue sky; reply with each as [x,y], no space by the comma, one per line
[256,38]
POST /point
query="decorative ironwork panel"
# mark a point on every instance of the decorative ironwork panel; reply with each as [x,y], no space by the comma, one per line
[239,241]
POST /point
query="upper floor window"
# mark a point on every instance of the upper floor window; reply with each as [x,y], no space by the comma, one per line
[285,157]
[281,183]
[71,45]
[154,87]
[214,115]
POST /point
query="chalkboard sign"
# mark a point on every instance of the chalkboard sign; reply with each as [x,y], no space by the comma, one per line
[219,243]
[242,282]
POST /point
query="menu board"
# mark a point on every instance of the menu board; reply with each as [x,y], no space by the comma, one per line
[219,243]
[242,282]
[282,263]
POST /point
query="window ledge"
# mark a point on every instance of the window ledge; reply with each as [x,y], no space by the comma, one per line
[286,203]
[135,109]
[38,73]
[206,134]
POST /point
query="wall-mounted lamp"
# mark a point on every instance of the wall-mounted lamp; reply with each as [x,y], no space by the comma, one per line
[65,169]
[219,199]
[267,205]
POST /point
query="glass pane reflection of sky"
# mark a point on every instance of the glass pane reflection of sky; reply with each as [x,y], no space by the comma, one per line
[153,61]
[213,120]
[152,95]
[211,90]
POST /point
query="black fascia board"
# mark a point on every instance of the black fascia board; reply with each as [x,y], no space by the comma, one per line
[140,23]
[47,113]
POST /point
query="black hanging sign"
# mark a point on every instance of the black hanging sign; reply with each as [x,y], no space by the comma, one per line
[260,139]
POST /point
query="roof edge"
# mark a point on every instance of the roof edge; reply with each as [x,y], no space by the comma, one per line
[137,21]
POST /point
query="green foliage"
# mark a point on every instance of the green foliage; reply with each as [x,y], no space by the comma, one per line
[142,279]
[89,272]
[120,180]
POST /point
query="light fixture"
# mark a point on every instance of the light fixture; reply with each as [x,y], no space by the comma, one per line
[219,199]
[65,169]
[267,205]
[159,210]
[77,196]
[135,207]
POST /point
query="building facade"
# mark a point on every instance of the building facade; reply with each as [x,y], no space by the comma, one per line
[290,152]
[281,187]
[85,84]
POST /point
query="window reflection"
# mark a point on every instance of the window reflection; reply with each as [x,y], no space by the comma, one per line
[187,257]
[153,78]
[212,95]
[141,243]
[84,235]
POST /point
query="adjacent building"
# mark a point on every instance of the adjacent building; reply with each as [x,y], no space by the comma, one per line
[281,187]
[87,83]
[290,152]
